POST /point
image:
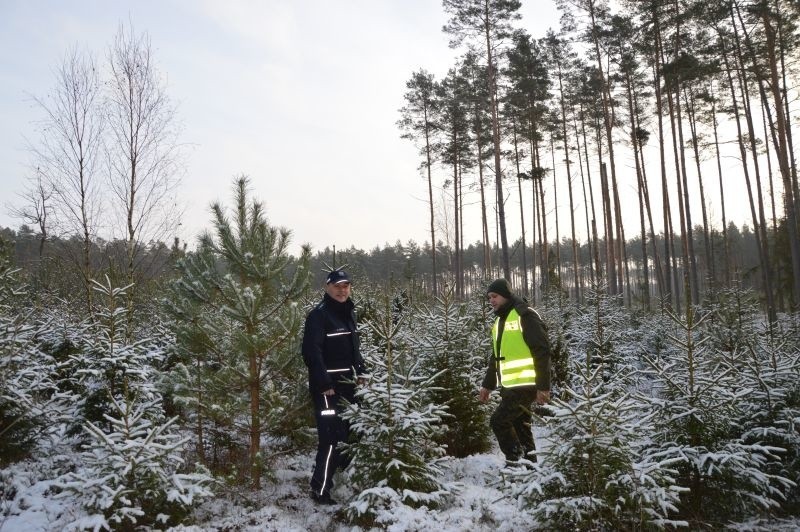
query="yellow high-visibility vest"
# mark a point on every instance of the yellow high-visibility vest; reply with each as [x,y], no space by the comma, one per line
[514,360]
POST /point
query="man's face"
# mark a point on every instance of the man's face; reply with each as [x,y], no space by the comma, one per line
[339,291]
[496,300]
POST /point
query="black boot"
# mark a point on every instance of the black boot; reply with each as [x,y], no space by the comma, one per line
[322,498]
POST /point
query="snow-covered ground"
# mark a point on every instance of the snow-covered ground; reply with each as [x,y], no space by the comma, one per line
[283,504]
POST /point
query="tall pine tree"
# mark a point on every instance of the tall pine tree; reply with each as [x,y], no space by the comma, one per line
[237,318]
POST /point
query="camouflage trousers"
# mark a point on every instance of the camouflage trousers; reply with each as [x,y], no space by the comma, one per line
[511,422]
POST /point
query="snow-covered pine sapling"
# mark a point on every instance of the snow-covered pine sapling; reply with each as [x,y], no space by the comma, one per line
[451,342]
[130,469]
[394,453]
[596,475]
[24,384]
[237,322]
[697,402]
[764,357]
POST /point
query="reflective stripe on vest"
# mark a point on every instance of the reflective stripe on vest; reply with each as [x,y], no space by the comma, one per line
[514,361]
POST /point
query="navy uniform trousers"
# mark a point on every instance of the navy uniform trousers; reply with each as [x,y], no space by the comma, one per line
[331,430]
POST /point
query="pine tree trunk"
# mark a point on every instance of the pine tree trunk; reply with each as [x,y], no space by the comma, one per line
[459,272]
[428,164]
[587,220]
[743,154]
[487,260]
[521,213]
[683,201]
[767,123]
[456,251]
[648,209]
[692,117]
[201,444]
[575,258]
[726,258]
[789,203]
[670,271]
[610,256]
[608,122]
[536,227]
[461,229]
[592,235]
[255,421]
[766,266]
[623,250]
[501,212]
[544,250]
[640,189]
[685,212]
[555,212]
[477,130]
[783,149]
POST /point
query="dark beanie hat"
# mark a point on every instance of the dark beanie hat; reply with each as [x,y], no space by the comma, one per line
[501,287]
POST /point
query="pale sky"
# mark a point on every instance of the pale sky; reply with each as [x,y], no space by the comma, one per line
[300,95]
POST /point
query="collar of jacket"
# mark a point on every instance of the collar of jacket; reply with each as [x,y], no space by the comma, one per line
[503,311]
[335,306]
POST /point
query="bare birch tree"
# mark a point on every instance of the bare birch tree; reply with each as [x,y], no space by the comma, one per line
[67,155]
[142,152]
[35,207]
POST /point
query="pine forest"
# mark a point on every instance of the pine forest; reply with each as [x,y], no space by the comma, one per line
[641,154]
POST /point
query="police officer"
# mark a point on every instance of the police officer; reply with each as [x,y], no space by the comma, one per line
[520,366]
[331,352]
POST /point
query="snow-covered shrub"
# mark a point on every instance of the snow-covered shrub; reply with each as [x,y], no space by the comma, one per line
[17,423]
[698,399]
[28,393]
[559,318]
[597,475]
[130,470]
[451,339]
[765,358]
[394,428]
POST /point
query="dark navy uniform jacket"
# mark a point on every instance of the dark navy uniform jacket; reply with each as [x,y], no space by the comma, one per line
[331,345]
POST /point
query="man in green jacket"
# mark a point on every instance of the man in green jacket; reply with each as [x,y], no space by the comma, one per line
[519,366]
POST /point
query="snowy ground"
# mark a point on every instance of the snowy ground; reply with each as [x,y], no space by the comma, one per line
[283,505]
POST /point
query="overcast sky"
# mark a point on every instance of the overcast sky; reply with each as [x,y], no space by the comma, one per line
[301,95]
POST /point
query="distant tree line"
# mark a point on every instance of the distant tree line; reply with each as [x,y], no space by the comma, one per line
[410,265]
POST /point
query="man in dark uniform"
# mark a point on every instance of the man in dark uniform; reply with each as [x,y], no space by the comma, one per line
[520,366]
[331,352]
